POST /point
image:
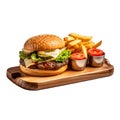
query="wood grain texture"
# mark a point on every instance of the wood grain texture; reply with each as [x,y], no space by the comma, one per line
[36,83]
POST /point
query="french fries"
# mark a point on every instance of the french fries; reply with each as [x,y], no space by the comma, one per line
[80,43]
[84,50]
[74,42]
[69,38]
[97,44]
[82,37]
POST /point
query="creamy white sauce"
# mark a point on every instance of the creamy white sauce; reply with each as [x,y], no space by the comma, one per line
[54,53]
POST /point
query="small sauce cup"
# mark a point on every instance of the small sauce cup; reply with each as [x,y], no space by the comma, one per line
[78,64]
[96,60]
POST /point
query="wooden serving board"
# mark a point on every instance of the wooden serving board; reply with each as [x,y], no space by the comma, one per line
[68,77]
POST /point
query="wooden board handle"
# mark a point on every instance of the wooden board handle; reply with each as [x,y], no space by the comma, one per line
[14,74]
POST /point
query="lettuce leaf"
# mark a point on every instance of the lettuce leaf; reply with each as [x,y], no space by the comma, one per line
[23,55]
[64,55]
[34,57]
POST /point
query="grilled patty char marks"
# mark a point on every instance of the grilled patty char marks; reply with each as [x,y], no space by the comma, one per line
[49,65]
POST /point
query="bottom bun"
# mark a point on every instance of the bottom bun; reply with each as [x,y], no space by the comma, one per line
[38,72]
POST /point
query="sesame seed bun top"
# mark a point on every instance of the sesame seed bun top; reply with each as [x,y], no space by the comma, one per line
[44,42]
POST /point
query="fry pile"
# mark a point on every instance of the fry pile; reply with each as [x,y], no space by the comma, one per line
[77,43]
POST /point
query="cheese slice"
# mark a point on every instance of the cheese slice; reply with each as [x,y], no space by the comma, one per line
[28,62]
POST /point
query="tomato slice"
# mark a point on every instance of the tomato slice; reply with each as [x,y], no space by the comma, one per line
[95,52]
[77,56]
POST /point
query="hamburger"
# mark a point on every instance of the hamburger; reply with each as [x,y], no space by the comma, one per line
[44,55]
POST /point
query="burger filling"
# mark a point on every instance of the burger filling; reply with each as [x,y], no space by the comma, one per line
[45,60]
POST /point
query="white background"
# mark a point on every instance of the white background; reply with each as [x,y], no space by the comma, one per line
[91,100]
